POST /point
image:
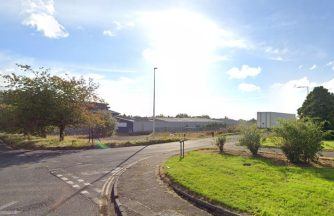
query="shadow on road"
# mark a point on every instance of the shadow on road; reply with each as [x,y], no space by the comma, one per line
[96,180]
[9,157]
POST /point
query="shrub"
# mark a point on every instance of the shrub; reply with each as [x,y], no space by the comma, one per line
[301,139]
[328,135]
[220,141]
[251,137]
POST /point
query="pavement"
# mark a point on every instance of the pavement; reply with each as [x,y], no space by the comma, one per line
[66,182]
[142,193]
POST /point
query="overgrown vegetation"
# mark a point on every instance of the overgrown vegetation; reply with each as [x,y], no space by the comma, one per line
[251,138]
[261,188]
[301,139]
[18,141]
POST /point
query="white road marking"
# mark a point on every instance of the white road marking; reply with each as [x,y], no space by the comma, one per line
[59,175]
[84,192]
[80,180]
[69,182]
[64,178]
[7,205]
[75,186]
[8,212]
[87,184]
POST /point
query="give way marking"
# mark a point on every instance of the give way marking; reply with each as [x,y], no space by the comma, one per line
[3,212]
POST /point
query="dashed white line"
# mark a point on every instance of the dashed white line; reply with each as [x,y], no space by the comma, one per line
[64,178]
[59,175]
[75,186]
[80,180]
[84,192]
[87,184]
[69,182]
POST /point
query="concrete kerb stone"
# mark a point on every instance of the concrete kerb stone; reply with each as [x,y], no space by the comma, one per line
[181,191]
[119,207]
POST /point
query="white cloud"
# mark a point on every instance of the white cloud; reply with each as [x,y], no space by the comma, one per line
[108,33]
[330,64]
[286,97]
[300,67]
[313,67]
[39,14]
[244,72]
[118,26]
[248,87]
[329,85]
[275,53]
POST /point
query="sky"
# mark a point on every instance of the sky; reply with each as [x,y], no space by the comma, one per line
[214,57]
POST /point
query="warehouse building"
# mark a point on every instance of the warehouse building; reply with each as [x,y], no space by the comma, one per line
[145,125]
[270,119]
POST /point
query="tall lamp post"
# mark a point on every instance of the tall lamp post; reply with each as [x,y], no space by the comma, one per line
[307,88]
[154,100]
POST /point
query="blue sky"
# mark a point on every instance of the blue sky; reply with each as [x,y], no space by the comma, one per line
[222,58]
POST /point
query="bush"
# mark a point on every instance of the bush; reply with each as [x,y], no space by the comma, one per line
[251,137]
[328,135]
[220,141]
[301,139]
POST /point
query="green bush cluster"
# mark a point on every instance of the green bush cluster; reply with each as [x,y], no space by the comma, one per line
[220,142]
[251,138]
[301,139]
[328,135]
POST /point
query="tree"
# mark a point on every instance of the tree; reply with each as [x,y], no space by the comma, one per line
[28,99]
[72,98]
[182,115]
[319,104]
[44,100]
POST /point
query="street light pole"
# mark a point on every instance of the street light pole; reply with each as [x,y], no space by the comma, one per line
[154,100]
[307,88]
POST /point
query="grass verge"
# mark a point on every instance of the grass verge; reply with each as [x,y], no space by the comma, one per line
[263,188]
[19,141]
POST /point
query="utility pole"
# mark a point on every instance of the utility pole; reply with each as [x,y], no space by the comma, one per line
[154,100]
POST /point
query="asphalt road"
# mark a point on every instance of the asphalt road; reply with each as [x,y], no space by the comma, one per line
[66,182]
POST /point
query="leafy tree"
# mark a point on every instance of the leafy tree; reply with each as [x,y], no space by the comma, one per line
[72,97]
[44,100]
[182,115]
[319,105]
[29,100]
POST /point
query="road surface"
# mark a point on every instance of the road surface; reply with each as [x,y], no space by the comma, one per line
[66,182]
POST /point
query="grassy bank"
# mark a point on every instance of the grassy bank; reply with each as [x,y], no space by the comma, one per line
[274,142]
[262,188]
[19,141]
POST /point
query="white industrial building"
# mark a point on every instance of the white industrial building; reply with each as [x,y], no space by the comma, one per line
[270,119]
[142,125]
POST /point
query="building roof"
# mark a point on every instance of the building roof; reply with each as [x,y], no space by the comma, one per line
[190,120]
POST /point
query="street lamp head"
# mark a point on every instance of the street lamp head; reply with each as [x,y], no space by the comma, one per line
[155,68]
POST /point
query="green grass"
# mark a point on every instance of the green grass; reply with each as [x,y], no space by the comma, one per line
[275,142]
[328,145]
[260,189]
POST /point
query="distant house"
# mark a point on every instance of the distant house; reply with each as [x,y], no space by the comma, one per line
[270,119]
